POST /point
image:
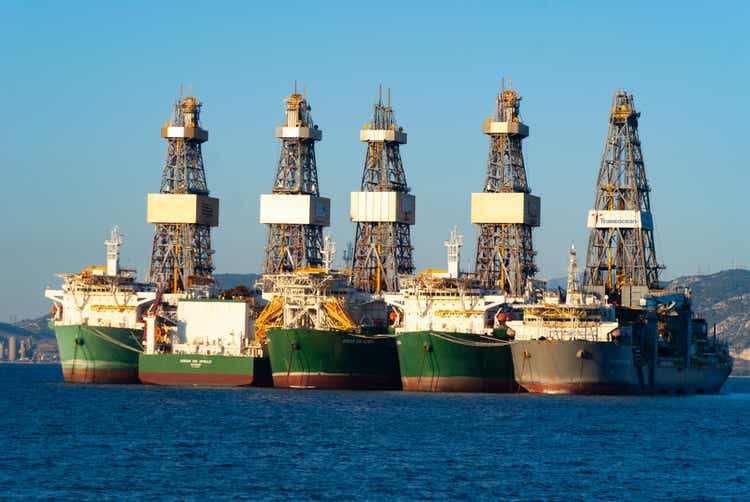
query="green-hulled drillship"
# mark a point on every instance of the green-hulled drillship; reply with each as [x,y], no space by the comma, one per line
[448,336]
[451,334]
[322,333]
[97,319]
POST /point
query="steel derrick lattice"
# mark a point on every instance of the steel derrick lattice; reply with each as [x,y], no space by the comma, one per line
[505,252]
[621,254]
[181,255]
[382,249]
[293,246]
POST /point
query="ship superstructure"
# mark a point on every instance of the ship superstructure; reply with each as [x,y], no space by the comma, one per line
[383,209]
[505,210]
[182,212]
[579,317]
[97,319]
[295,212]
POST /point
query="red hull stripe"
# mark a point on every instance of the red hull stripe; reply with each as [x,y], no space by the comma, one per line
[459,384]
[213,380]
[87,375]
[358,382]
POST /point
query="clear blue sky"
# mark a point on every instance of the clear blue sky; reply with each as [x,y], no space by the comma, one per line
[86,86]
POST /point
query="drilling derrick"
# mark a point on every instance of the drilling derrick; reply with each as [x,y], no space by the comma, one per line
[505,211]
[294,211]
[621,259]
[383,209]
[182,212]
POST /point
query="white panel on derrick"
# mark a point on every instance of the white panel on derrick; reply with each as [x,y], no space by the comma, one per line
[295,209]
[506,208]
[512,128]
[182,209]
[620,219]
[184,132]
[385,207]
[381,135]
[299,133]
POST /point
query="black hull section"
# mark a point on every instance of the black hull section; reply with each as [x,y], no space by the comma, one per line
[581,367]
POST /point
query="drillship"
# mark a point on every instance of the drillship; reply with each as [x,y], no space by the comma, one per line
[97,319]
[586,346]
[450,334]
[192,336]
[619,332]
[323,333]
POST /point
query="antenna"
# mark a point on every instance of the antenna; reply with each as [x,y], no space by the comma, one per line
[454,252]
[327,251]
[388,98]
[380,94]
[180,92]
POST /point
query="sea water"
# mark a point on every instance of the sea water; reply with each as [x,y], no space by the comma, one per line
[61,441]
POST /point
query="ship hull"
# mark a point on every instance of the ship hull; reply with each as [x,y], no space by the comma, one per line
[97,354]
[454,362]
[196,370]
[582,367]
[319,359]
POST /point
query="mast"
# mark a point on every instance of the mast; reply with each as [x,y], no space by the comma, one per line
[453,245]
[294,211]
[113,252]
[505,211]
[621,252]
[383,209]
[182,212]
[573,290]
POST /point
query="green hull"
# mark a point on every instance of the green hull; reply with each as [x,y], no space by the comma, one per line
[455,362]
[196,369]
[308,358]
[97,354]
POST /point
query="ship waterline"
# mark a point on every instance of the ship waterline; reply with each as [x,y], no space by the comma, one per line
[196,370]
[321,359]
[586,367]
[455,362]
[98,354]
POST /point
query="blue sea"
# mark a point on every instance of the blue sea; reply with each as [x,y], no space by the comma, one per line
[62,441]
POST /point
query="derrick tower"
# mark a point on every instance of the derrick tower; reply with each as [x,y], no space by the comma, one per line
[505,211]
[383,209]
[182,212]
[294,211]
[621,250]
